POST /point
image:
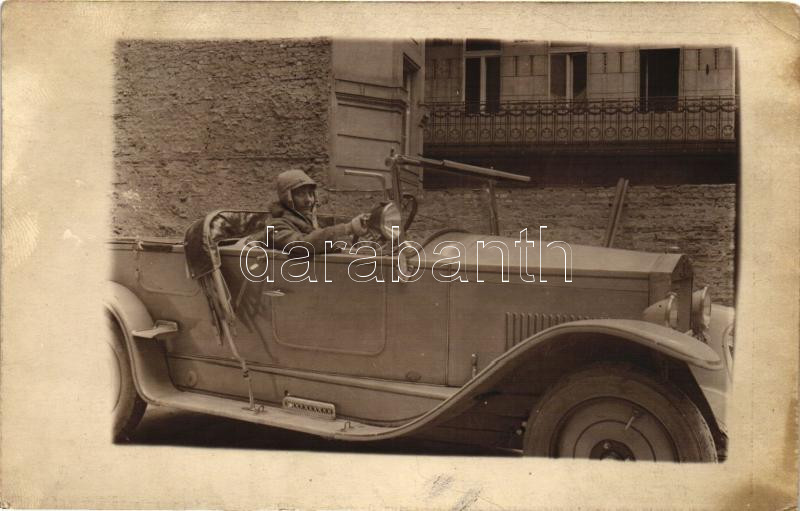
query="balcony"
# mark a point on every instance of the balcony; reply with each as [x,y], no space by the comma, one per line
[684,124]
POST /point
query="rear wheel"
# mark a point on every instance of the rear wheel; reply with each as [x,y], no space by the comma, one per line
[615,411]
[128,407]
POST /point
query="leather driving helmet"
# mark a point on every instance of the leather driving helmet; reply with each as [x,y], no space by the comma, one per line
[291,180]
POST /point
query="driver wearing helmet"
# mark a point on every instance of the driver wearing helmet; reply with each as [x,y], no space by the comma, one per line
[294,216]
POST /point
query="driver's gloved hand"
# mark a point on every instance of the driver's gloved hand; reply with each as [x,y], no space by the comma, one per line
[358,225]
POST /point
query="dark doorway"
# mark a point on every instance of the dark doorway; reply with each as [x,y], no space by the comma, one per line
[482,84]
[472,85]
[568,76]
[492,84]
[558,76]
[659,72]
[578,76]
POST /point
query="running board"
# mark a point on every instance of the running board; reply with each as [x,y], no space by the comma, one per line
[272,415]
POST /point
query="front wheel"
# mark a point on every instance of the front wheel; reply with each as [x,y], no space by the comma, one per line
[128,407]
[617,412]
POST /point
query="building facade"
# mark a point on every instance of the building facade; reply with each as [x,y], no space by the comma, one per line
[376,95]
[584,113]
[201,125]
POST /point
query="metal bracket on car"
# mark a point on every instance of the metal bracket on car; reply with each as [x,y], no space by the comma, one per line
[160,327]
[380,176]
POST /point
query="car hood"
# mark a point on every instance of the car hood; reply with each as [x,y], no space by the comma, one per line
[586,259]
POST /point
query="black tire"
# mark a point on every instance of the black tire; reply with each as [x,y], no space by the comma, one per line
[615,411]
[128,406]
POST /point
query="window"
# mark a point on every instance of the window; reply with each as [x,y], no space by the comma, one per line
[659,72]
[482,75]
[568,76]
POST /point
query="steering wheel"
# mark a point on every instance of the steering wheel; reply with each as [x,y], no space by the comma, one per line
[408,209]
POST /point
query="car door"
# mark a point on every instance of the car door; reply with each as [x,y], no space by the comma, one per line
[326,321]
[334,322]
[374,349]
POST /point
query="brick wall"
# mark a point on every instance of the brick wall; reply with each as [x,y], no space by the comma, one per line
[698,219]
[206,124]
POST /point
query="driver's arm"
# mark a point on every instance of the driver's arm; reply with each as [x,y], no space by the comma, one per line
[284,233]
[329,220]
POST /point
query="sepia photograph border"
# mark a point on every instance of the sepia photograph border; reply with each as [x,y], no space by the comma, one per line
[58,141]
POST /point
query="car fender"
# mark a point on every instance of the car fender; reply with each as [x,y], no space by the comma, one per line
[658,338]
[146,356]
[717,384]
[661,339]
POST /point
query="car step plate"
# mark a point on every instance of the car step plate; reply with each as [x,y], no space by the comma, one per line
[311,408]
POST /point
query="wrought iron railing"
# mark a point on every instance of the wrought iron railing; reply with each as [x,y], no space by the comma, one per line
[654,120]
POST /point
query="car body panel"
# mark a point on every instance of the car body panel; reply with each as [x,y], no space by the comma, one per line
[512,311]
[435,404]
[389,354]
[586,259]
[373,339]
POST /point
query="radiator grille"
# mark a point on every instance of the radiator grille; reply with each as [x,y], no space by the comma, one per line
[520,325]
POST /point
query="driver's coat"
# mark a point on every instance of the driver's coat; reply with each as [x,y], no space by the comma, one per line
[289,226]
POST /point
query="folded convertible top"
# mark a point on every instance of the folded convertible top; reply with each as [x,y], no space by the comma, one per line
[203,236]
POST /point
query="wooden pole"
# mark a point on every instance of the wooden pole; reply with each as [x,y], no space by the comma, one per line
[616,212]
[494,220]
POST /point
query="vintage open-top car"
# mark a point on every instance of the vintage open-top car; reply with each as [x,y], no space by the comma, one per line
[556,350]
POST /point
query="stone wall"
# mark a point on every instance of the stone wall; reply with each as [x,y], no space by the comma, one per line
[697,219]
[201,125]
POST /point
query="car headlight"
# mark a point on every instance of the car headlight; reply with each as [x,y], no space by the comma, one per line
[663,312]
[390,217]
[701,309]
